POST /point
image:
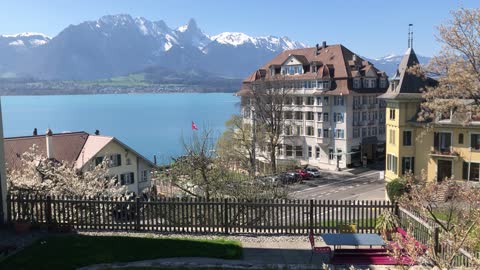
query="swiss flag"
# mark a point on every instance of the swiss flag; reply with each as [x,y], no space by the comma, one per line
[194,127]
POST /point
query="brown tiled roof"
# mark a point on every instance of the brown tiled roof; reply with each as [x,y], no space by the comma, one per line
[333,61]
[66,147]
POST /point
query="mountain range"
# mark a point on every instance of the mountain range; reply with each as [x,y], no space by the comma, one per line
[116,45]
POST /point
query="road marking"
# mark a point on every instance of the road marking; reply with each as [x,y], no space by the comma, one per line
[334,183]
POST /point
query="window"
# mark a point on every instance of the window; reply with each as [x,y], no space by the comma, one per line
[288,130]
[382,116]
[364,132]
[364,100]
[289,150]
[292,70]
[319,101]
[115,160]
[319,117]
[309,151]
[383,82]
[475,141]
[317,152]
[407,138]
[288,115]
[392,114]
[98,160]
[356,132]
[325,133]
[356,100]
[310,131]
[325,100]
[127,178]
[338,100]
[392,163]
[370,83]
[408,164]
[145,174]
[340,133]
[323,85]
[474,171]
[310,116]
[374,131]
[299,130]
[288,101]
[310,101]
[298,100]
[460,138]
[356,83]
[298,151]
[330,154]
[298,115]
[381,130]
[338,117]
[356,117]
[364,116]
[391,138]
[442,141]
[325,117]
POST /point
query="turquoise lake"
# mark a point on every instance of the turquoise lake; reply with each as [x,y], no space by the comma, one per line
[152,124]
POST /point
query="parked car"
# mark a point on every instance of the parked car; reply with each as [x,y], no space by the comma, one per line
[303,174]
[313,172]
[292,177]
[269,180]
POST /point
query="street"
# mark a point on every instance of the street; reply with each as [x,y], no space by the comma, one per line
[366,185]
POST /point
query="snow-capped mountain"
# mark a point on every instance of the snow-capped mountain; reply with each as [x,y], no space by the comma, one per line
[389,63]
[120,44]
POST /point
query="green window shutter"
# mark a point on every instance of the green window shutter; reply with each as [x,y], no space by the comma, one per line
[119,159]
[131,177]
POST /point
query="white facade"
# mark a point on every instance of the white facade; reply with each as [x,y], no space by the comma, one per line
[331,126]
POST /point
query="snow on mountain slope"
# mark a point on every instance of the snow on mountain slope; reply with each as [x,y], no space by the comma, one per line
[272,43]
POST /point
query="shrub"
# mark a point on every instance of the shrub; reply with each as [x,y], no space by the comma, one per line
[395,189]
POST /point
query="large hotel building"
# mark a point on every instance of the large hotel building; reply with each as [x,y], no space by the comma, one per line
[333,119]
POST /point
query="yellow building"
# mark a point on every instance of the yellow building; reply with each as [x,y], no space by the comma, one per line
[447,148]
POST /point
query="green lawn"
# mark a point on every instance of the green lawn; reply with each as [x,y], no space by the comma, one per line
[73,251]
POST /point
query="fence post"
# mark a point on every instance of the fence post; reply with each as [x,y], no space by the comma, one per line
[137,213]
[311,215]
[48,211]
[225,216]
[436,242]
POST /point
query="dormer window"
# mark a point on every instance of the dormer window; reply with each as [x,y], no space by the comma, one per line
[383,82]
[292,70]
[370,83]
[356,83]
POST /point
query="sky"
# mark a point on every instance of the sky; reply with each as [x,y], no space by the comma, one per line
[372,28]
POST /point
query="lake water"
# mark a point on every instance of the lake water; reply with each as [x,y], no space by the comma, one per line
[152,124]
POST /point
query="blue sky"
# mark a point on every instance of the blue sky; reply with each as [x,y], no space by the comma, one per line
[370,28]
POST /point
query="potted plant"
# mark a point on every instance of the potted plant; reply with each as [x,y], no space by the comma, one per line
[387,222]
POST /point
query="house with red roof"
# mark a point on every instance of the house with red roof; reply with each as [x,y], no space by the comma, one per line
[84,151]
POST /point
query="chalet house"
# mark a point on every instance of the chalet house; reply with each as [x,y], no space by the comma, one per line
[84,151]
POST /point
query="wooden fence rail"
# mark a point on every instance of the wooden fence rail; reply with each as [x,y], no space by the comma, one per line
[197,215]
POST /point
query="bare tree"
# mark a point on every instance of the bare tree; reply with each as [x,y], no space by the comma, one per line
[457,67]
[269,102]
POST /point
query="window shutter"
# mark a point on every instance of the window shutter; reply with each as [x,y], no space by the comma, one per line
[435,140]
[132,180]
[119,160]
[122,179]
[413,164]
[403,165]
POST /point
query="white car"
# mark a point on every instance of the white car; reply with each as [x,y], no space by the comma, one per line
[313,172]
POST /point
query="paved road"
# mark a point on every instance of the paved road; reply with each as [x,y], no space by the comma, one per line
[367,185]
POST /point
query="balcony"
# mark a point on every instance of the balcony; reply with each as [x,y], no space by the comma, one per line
[446,152]
[324,141]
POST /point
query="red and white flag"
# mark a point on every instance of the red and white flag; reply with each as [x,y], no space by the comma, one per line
[194,127]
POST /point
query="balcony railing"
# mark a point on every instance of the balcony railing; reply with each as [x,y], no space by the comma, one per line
[443,151]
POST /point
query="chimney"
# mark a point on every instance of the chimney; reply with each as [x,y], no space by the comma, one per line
[324,44]
[354,58]
[318,48]
[97,132]
[35,132]
[49,143]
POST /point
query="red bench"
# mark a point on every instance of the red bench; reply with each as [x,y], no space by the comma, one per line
[369,259]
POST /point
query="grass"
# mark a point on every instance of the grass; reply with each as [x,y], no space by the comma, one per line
[74,251]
